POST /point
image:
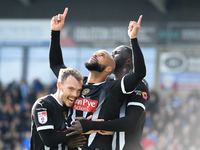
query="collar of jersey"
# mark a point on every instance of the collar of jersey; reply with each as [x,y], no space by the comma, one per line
[96,83]
[56,99]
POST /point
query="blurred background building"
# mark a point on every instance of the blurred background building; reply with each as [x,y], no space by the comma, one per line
[169,38]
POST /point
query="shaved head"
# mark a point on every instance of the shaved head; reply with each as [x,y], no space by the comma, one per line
[100,61]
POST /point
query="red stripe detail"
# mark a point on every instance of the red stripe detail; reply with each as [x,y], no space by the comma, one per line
[60,130]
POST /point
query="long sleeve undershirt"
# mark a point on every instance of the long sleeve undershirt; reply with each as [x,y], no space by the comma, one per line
[55,53]
[139,67]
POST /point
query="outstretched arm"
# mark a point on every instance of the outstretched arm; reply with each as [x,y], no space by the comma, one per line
[55,52]
[136,108]
[126,123]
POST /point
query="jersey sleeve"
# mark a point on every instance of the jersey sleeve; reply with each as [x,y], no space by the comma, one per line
[52,138]
[42,115]
[140,96]
[131,80]
[55,53]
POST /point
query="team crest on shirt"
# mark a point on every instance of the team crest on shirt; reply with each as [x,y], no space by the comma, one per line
[42,117]
[85,91]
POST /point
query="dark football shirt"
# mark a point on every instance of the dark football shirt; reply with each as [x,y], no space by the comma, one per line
[131,122]
[130,138]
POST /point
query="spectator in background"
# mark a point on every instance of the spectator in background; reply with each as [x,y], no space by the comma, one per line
[32,96]
[37,86]
[153,105]
[24,88]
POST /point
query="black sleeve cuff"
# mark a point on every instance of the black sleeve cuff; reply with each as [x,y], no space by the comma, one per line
[86,125]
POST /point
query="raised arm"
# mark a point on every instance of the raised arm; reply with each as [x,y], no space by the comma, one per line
[55,52]
[130,81]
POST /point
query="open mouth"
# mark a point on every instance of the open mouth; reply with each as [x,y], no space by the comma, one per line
[71,100]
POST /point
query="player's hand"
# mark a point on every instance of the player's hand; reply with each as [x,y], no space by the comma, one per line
[134,28]
[76,128]
[76,142]
[57,21]
[102,132]
[91,131]
[80,118]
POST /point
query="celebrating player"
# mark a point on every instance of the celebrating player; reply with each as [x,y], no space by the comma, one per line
[49,114]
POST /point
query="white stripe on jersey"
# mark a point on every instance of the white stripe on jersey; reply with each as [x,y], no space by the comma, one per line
[73,115]
[122,133]
[121,140]
[59,147]
[136,104]
[114,141]
[46,148]
[91,138]
[123,88]
[45,127]
[94,116]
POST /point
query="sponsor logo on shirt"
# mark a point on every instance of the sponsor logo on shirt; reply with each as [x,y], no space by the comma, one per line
[84,104]
[42,117]
[144,94]
[138,92]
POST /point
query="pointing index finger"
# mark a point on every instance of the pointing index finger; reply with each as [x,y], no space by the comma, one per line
[65,12]
[139,20]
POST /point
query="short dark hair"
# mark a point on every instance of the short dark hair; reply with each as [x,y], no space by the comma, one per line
[64,73]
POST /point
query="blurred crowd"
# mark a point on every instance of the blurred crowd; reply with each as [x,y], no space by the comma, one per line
[172,121]
[16,100]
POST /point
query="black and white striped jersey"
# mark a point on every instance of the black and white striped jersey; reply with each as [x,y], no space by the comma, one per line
[103,101]
[130,138]
[130,125]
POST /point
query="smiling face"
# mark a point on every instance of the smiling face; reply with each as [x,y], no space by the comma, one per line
[69,91]
[99,61]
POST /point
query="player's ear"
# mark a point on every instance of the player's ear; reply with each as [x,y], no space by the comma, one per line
[129,61]
[59,85]
[109,69]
